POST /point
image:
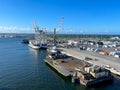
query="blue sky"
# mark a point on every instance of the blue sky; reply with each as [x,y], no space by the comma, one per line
[80,16]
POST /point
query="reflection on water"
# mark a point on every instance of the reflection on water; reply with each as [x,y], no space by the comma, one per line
[34,52]
[37,53]
[65,81]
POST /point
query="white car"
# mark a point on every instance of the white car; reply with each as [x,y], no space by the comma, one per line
[117,55]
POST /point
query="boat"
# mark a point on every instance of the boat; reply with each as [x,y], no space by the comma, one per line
[33,44]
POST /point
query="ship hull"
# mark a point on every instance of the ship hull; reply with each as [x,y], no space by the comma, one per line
[34,47]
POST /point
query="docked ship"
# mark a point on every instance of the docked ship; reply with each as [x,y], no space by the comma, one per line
[33,44]
[40,41]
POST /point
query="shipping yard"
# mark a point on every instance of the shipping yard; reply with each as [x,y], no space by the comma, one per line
[60,45]
[84,63]
[87,61]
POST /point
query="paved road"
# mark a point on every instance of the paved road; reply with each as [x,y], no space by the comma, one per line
[101,59]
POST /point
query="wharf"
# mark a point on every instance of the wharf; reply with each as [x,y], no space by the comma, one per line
[81,71]
[66,67]
[60,70]
[97,59]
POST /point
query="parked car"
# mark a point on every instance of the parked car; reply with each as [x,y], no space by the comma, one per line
[97,50]
[117,56]
[103,53]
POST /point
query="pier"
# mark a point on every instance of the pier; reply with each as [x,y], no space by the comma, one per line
[66,67]
[60,70]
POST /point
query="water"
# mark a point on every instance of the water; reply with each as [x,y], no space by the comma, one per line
[22,68]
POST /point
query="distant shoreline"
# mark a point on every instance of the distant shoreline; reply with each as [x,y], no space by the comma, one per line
[61,36]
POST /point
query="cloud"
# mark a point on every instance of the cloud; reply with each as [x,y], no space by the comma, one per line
[14,29]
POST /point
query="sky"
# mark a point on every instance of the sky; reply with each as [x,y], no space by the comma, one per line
[80,16]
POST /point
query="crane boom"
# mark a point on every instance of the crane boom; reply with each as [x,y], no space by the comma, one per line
[35,26]
[57,29]
[60,24]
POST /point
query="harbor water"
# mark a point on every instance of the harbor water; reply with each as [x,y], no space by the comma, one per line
[23,68]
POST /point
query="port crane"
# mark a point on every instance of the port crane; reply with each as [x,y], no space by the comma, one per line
[40,34]
[36,28]
[57,28]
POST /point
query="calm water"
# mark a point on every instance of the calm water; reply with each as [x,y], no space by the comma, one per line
[22,68]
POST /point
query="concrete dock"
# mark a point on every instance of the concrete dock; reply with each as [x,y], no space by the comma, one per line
[61,70]
[67,66]
[81,71]
[97,59]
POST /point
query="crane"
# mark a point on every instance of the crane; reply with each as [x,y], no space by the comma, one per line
[58,28]
[36,28]
[60,24]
